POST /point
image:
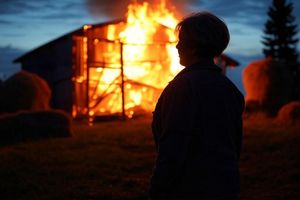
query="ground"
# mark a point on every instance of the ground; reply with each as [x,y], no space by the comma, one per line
[113,160]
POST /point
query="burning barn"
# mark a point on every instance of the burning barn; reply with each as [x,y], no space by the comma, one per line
[114,68]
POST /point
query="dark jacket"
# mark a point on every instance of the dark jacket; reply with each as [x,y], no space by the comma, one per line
[197,128]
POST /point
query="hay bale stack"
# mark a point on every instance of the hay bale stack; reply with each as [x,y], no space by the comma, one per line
[24,91]
[268,85]
[290,113]
[25,126]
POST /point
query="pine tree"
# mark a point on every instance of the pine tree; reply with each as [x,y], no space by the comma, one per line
[280,32]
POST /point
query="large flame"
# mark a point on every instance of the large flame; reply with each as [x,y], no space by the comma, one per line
[146,49]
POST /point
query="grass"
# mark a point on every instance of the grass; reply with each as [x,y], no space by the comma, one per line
[114,160]
[270,163]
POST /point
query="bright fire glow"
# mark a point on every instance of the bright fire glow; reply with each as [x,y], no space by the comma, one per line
[150,60]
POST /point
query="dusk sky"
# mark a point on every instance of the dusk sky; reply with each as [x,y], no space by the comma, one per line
[25,25]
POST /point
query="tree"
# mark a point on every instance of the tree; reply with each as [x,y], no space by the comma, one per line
[280,32]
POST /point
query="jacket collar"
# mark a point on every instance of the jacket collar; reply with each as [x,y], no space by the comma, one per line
[200,66]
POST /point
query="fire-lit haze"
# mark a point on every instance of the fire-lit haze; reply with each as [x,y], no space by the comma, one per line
[25,25]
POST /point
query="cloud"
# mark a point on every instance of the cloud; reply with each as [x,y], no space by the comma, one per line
[5,22]
[118,8]
[245,18]
[58,16]
[228,8]
[247,12]
[12,35]
[237,11]
[7,55]
[40,9]
[16,6]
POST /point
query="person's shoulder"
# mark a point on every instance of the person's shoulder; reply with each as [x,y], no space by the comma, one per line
[179,82]
[202,77]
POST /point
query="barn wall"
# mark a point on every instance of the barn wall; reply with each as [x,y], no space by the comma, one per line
[53,62]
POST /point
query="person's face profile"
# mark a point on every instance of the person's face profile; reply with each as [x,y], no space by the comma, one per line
[185,51]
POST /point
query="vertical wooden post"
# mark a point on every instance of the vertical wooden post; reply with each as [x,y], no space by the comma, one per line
[122,81]
[87,84]
[88,61]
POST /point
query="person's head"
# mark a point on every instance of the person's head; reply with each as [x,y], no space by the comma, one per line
[201,36]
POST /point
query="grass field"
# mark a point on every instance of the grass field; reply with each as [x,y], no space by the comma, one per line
[113,160]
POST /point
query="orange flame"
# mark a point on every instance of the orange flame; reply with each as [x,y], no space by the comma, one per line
[149,58]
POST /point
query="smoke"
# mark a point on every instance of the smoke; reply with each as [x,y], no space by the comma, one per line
[107,8]
[118,8]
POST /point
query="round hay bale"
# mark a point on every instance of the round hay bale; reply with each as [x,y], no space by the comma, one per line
[252,106]
[42,95]
[290,113]
[24,91]
[268,83]
[27,125]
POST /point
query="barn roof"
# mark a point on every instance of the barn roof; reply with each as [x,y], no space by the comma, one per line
[75,32]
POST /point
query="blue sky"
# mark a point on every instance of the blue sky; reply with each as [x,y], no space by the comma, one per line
[25,25]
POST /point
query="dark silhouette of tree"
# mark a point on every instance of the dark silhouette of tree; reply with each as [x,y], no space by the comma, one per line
[280,32]
[280,42]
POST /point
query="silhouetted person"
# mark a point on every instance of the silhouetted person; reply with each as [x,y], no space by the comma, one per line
[197,122]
